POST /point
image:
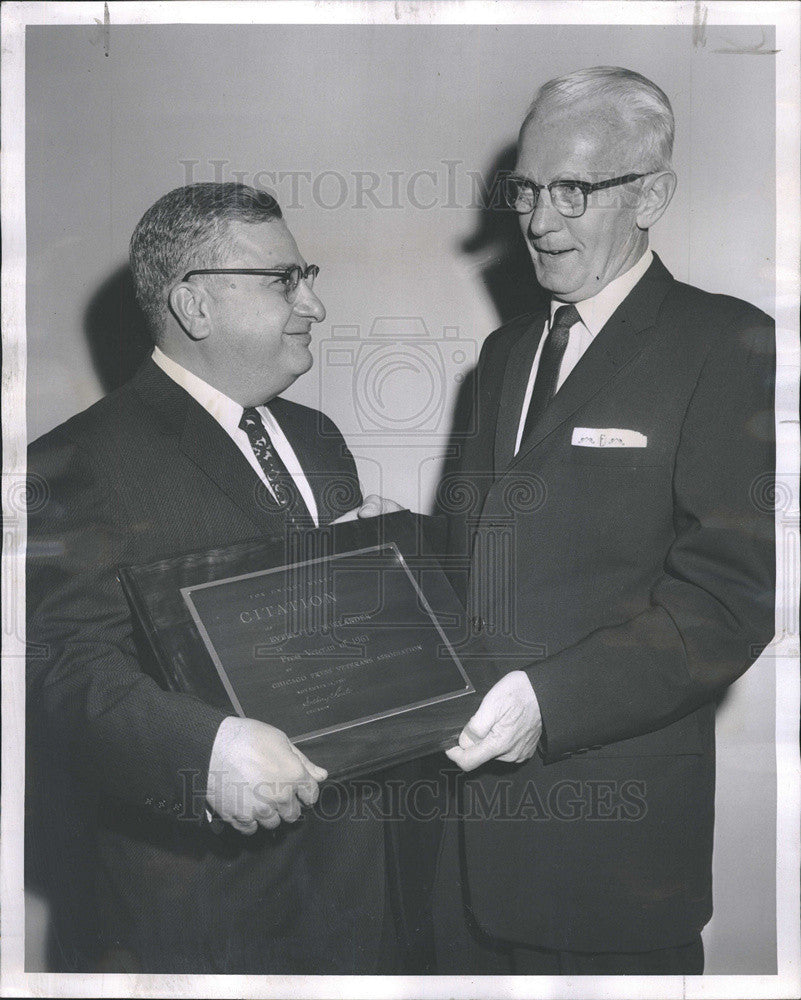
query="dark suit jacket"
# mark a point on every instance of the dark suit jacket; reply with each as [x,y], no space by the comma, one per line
[113,758]
[633,585]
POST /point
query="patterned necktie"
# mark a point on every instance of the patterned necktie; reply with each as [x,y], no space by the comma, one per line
[550,362]
[287,495]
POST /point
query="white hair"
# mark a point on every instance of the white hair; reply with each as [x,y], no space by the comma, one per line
[630,98]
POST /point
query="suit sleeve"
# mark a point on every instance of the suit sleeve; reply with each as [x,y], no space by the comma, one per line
[712,611]
[115,726]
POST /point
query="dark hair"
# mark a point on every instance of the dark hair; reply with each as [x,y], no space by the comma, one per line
[185,229]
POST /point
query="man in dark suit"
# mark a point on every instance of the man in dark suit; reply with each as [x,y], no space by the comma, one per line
[197,451]
[620,573]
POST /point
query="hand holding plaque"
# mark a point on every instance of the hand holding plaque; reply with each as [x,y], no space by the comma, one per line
[372,506]
[507,725]
[257,777]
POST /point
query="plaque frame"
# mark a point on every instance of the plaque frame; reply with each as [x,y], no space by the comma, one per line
[177,649]
[466,689]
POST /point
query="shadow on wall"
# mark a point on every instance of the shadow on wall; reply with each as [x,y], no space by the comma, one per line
[499,249]
[505,268]
[116,330]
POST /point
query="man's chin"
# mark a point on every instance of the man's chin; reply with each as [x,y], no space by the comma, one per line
[298,349]
[555,277]
[304,362]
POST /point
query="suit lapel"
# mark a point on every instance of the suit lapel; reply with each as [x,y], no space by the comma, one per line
[513,390]
[615,346]
[313,451]
[214,453]
[203,441]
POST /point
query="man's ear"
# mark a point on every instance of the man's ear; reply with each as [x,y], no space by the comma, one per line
[656,194]
[189,304]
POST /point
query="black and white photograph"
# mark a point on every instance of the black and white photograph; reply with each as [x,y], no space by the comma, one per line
[400,494]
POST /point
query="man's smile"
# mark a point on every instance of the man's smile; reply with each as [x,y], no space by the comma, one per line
[551,253]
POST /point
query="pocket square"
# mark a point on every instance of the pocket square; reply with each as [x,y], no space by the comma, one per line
[607,437]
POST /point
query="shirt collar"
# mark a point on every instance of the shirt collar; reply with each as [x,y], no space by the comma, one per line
[224,410]
[596,311]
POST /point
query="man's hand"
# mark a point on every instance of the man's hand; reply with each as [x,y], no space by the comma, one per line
[257,777]
[507,725]
[373,506]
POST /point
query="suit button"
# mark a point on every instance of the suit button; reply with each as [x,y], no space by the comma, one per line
[478,623]
[149,800]
[161,804]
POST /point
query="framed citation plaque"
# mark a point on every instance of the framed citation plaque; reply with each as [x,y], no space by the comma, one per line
[345,637]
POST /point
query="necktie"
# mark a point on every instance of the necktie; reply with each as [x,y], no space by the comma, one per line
[550,362]
[287,495]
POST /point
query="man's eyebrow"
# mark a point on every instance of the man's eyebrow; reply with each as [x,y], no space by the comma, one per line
[566,178]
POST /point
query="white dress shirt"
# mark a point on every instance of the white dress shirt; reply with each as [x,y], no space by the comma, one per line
[594,314]
[228,414]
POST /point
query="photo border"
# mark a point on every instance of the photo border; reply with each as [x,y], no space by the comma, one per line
[786,16]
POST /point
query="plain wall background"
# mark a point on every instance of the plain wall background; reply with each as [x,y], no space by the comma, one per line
[116,120]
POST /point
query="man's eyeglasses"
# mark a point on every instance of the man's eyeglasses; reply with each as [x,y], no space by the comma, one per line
[569,198]
[290,276]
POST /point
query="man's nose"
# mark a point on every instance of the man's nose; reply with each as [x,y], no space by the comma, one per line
[308,303]
[544,219]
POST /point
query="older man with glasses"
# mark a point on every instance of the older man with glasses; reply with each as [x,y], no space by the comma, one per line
[620,574]
[199,450]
